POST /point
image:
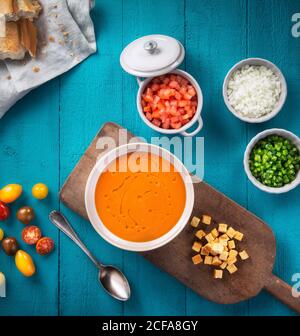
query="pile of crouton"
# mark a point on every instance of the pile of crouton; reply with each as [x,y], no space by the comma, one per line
[218,247]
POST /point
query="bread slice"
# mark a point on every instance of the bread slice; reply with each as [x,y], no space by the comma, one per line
[7,9]
[10,45]
[13,10]
[28,9]
[28,32]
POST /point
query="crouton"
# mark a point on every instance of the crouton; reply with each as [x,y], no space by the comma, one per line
[222,228]
[215,233]
[223,265]
[216,261]
[200,234]
[208,260]
[206,249]
[244,255]
[206,219]
[232,253]
[231,260]
[195,221]
[238,236]
[224,256]
[197,259]
[217,248]
[231,244]
[231,268]
[209,237]
[197,246]
[224,237]
[218,274]
[230,232]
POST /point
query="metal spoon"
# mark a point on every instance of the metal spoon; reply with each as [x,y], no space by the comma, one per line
[111,278]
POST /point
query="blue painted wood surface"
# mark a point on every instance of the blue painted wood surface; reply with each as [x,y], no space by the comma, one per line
[45,134]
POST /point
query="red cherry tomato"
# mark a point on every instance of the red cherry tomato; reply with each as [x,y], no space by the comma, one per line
[4,211]
[45,246]
[31,235]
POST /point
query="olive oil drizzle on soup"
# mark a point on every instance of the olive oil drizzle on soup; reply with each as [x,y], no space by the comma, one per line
[140,197]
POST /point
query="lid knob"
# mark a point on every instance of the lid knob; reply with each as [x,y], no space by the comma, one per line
[150,46]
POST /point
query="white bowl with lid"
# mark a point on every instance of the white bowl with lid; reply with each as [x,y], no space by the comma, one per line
[155,55]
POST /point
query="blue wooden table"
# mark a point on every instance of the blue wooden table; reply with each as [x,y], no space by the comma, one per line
[45,134]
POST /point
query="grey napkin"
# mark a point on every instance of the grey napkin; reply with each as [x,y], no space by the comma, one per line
[66,38]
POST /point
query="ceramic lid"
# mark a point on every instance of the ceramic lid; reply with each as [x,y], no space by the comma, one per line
[152,55]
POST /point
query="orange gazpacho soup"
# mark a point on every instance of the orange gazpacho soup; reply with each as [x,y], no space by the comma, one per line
[138,199]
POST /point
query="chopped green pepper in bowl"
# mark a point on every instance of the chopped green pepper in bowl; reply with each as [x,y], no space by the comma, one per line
[272,161]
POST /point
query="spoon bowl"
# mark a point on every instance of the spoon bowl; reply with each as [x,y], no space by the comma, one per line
[114,282]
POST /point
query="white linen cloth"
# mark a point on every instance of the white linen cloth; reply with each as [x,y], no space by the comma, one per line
[66,38]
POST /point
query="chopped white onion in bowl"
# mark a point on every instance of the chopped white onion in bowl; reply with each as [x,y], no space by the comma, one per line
[254,90]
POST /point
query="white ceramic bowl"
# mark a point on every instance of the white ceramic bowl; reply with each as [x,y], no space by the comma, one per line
[101,166]
[253,142]
[197,117]
[275,69]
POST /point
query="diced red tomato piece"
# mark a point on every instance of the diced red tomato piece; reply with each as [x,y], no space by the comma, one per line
[178,96]
[156,122]
[184,82]
[156,99]
[182,103]
[148,98]
[192,92]
[149,116]
[187,96]
[182,90]
[174,85]
[155,87]
[174,119]
[176,125]
[179,79]
[156,115]
[166,80]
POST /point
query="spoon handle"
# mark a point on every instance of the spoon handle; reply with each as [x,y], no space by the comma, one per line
[59,220]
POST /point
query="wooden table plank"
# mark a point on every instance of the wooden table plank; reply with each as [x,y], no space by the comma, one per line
[270,37]
[90,95]
[29,153]
[215,40]
[154,292]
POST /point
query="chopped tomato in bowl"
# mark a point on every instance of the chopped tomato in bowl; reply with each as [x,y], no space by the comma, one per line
[171,103]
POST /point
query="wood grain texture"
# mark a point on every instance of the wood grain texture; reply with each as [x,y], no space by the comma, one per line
[66,114]
[269,36]
[92,93]
[28,157]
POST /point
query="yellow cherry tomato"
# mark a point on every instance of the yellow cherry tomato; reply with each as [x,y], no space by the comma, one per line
[10,193]
[1,234]
[24,263]
[40,191]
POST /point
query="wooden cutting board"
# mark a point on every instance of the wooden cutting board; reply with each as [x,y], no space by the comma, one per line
[253,275]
